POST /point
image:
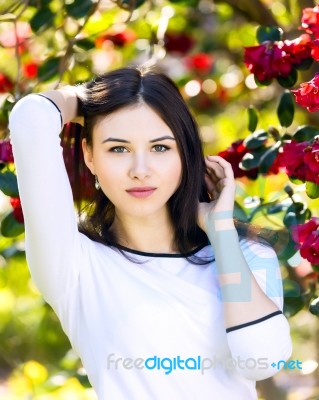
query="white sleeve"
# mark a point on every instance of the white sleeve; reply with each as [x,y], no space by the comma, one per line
[52,238]
[261,344]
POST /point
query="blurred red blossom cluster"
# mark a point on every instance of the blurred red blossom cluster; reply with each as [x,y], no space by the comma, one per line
[307,238]
[6,85]
[272,59]
[235,153]
[200,62]
[310,21]
[6,155]
[307,94]
[302,160]
[119,39]
[17,209]
[278,58]
[10,38]
[178,42]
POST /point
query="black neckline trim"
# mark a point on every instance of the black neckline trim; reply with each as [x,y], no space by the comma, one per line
[169,255]
[256,321]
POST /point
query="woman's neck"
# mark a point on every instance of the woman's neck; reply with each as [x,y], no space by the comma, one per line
[149,234]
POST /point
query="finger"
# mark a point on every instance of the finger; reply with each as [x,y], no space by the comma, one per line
[214,169]
[212,175]
[220,160]
[228,170]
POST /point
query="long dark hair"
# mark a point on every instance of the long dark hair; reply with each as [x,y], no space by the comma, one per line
[126,87]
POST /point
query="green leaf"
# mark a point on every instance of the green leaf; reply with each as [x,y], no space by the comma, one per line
[251,160]
[305,133]
[312,190]
[296,181]
[252,118]
[42,20]
[276,208]
[283,244]
[305,64]
[35,3]
[266,82]
[49,69]
[5,109]
[85,44]
[268,158]
[296,213]
[269,33]
[288,81]
[8,184]
[240,213]
[190,3]
[256,139]
[79,8]
[129,4]
[314,307]
[286,109]
[293,300]
[10,227]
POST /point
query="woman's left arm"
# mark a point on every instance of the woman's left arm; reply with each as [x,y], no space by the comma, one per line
[255,325]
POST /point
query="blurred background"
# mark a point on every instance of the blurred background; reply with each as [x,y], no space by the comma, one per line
[201,45]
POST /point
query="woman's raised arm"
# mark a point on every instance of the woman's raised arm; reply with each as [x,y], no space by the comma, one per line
[53,243]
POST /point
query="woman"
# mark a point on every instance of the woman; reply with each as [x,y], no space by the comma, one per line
[157,293]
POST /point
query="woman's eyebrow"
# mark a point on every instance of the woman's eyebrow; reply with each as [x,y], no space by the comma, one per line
[110,139]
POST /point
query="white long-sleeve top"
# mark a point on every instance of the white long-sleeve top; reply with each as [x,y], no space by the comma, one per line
[151,331]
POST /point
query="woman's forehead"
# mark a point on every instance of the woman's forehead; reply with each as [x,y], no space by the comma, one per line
[135,121]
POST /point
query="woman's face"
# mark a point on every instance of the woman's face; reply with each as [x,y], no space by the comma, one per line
[136,159]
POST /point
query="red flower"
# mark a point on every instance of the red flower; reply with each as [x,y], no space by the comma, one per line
[178,43]
[6,151]
[30,70]
[315,49]
[299,49]
[278,165]
[302,160]
[307,238]
[307,95]
[311,253]
[234,155]
[119,39]
[310,20]
[200,62]
[5,84]
[268,60]
[9,37]
[17,210]
[301,232]
[311,159]
[293,156]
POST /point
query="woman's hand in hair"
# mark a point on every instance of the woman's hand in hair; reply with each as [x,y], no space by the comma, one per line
[68,99]
[221,187]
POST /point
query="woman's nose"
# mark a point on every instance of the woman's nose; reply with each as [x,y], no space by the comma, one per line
[140,168]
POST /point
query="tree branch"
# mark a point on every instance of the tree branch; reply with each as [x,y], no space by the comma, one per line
[256,12]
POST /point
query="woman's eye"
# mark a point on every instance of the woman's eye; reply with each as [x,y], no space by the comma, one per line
[160,148]
[118,149]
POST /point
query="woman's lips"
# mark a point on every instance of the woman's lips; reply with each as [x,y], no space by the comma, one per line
[141,192]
